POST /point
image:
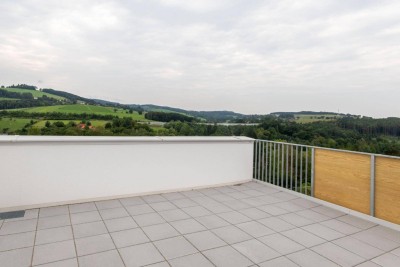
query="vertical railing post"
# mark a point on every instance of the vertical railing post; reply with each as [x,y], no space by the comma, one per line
[312,170]
[372,187]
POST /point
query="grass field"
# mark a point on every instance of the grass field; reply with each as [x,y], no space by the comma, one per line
[90,109]
[12,124]
[35,93]
[6,98]
[313,118]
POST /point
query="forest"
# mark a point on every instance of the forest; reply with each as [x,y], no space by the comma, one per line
[341,134]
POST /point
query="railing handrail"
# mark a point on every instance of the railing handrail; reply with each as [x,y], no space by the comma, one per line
[330,149]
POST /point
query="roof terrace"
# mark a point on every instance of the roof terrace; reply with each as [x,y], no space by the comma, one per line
[205,211]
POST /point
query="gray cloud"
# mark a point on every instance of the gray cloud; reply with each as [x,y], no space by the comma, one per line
[246,56]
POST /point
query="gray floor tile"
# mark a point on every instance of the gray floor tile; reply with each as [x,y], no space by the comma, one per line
[256,251]
[386,233]
[102,259]
[305,203]
[284,196]
[85,217]
[153,198]
[83,207]
[64,263]
[139,209]
[255,229]
[173,196]
[276,224]
[184,203]
[308,258]
[120,224]
[16,258]
[296,219]
[195,260]
[222,198]
[205,240]
[53,221]
[376,240]
[358,247]
[20,240]
[323,231]
[53,211]
[313,216]
[18,227]
[196,211]
[160,231]
[289,206]
[212,221]
[217,208]
[278,262]
[192,193]
[281,243]
[162,206]
[387,260]
[174,215]
[396,252]
[234,217]
[129,237]
[175,247]
[357,222]
[237,205]
[188,226]
[53,235]
[238,195]
[159,264]
[338,255]
[114,213]
[368,264]
[254,213]
[332,213]
[231,234]
[132,201]
[303,237]
[273,210]
[108,204]
[341,227]
[89,229]
[148,219]
[53,252]
[140,255]
[227,257]
[94,244]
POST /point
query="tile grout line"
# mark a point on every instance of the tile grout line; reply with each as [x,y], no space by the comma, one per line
[34,240]
[73,235]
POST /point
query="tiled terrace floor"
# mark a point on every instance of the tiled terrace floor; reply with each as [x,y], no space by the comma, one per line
[247,225]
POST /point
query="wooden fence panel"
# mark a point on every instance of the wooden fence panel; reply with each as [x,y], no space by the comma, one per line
[343,178]
[387,189]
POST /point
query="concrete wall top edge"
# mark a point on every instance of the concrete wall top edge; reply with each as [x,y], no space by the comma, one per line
[138,139]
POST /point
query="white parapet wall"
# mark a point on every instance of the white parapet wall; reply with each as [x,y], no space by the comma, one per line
[38,171]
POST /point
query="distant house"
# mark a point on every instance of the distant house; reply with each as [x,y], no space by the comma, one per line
[83,126]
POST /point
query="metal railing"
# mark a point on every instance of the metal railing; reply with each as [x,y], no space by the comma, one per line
[286,165]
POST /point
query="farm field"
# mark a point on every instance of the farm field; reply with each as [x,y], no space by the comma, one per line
[313,118]
[12,124]
[35,93]
[6,98]
[89,109]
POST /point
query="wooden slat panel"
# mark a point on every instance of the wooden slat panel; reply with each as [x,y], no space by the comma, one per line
[387,189]
[343,178]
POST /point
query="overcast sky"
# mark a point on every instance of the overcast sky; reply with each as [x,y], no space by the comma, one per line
[241,55]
